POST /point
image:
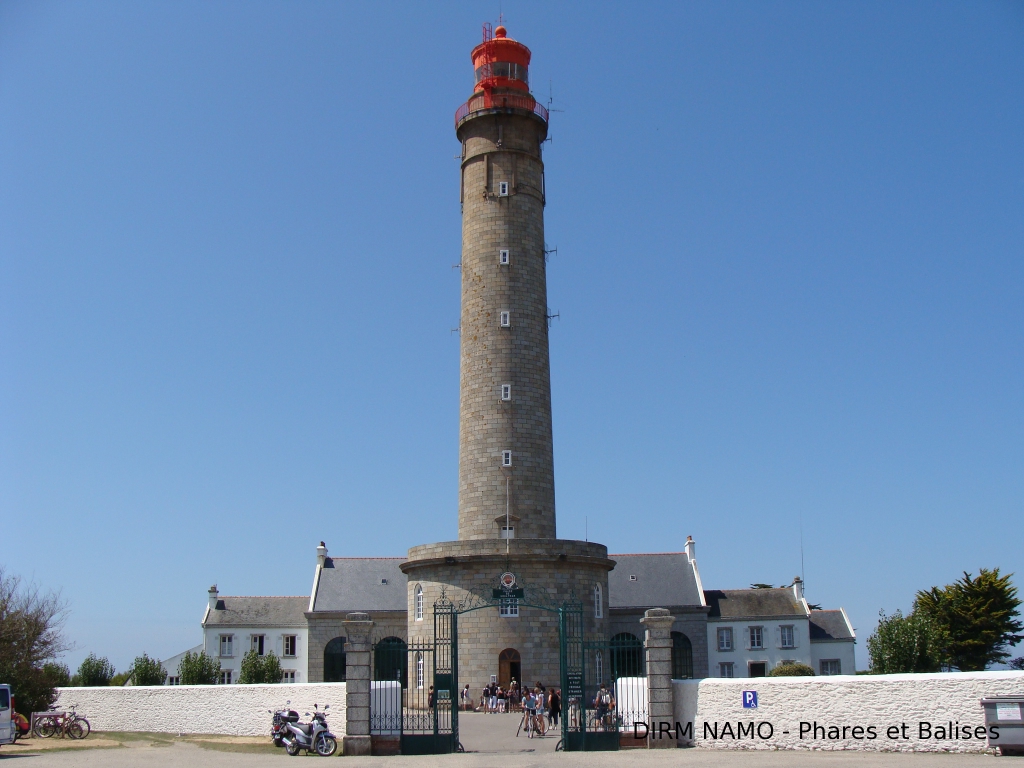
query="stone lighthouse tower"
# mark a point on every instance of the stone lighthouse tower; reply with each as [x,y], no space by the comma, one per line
[506,509]
[505,455]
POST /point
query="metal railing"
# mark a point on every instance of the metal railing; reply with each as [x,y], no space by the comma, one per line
[488,100]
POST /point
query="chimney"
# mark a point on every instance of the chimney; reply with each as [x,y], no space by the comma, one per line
[690,547]
[321,554]
[798,588]
[213,597]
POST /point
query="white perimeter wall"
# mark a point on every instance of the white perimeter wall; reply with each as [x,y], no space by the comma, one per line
[236,710]
[845,700]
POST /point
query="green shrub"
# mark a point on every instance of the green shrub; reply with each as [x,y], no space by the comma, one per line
[57,675]
[147,671]
[791,670]
[198,669]
[902,644]
[260,669]
[95,670]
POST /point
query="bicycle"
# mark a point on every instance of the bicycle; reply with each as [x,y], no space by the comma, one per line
[530,721]
[69,724]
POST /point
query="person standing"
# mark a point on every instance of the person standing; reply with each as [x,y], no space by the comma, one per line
[530,712]
[554,706]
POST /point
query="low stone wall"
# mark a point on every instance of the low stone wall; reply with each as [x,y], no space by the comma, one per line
[891,713]
[234,710]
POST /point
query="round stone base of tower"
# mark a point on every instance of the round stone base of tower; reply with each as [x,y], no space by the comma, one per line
[550,572]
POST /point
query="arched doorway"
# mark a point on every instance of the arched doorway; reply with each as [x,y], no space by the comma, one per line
[627,654]
[510,667]
[682,657]
[391,660]
[334,661]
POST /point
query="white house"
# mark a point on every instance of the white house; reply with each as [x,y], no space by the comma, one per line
[234,625]
[832,641]
[171,665]
[752,631]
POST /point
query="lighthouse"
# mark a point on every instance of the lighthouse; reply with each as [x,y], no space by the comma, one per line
[506,503]
[506,467]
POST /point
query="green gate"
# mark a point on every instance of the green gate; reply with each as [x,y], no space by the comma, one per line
[604,688]
[413,688]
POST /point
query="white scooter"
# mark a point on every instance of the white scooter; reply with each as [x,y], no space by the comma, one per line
[312,736]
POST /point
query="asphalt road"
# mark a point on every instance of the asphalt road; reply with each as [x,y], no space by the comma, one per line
[181,755]
[490,741]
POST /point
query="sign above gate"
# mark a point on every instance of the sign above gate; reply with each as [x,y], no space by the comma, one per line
[507,588]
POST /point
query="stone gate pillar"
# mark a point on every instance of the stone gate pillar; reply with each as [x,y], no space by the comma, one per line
[658,646]
[357,684]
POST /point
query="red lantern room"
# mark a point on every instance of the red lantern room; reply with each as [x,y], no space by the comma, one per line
[501,62]
[502,67]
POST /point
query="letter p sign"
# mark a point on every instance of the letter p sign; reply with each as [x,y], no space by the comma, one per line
[750,699]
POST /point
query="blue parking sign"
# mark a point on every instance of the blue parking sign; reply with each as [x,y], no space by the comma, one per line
[750,699]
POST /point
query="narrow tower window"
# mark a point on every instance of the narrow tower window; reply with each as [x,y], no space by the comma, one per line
[504,257]
[506,458]
[502,189]
[506,319]
[598,602]
[506,391]
[419,603]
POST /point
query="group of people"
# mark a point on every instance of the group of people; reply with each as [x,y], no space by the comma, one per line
[541,706]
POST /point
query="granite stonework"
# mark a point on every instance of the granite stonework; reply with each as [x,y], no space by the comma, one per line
[690,620]
[325,626]
[551,572]
[504,146]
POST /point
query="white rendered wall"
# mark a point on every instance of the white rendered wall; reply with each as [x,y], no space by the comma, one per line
[236,710]
[882,701]
[771,654]
[835,649]
[242,642]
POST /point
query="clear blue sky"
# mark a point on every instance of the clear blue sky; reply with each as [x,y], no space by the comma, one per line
[789,275]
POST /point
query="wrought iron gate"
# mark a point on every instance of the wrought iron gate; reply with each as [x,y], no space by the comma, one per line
[412,691]
[604,688]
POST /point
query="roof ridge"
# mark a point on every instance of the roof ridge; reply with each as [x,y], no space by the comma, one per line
[643,554]
[267,597]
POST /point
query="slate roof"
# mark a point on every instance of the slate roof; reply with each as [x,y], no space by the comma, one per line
[357,584]
[752,603]
[662,580]
[257,612]
[830,625]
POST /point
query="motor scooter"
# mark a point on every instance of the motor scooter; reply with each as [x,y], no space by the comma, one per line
[312,736]
[280,718]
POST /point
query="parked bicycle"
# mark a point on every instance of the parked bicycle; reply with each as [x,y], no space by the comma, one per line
[52,722]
